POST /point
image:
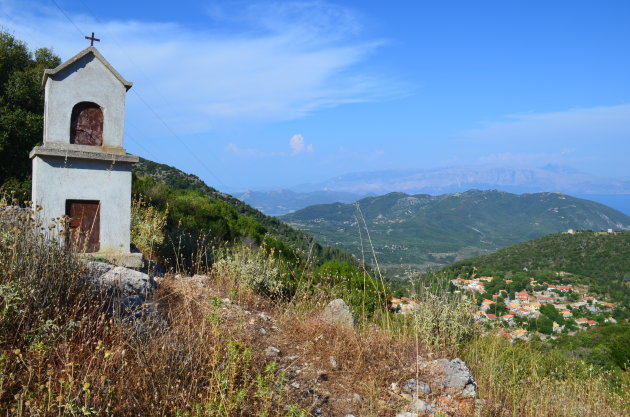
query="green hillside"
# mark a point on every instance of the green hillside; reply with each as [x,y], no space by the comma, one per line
[182,182]
[427,231]
[601,260]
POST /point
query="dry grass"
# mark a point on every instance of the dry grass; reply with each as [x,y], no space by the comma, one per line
[519,380]
[354,367]
[61,353]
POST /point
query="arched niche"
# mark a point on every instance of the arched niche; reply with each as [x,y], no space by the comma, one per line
[86,124]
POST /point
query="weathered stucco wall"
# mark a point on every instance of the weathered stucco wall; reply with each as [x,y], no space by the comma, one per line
[87,79]
[56,180]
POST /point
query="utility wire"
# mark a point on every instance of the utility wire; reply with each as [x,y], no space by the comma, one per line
[178,138]
[137,142]
[129,57]
[68,17]
[135,91]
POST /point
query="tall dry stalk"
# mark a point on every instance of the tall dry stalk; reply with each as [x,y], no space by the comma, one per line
[384,292]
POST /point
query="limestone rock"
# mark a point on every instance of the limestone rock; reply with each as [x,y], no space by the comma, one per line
[358,398]
[333,362]
[338,313]
[457,379]
[125,281]
[420,406]
[412,386]
[272,352]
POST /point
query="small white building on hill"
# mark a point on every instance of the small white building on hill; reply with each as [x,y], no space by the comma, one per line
[82,170]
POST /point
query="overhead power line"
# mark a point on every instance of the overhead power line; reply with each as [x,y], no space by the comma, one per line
[145,102]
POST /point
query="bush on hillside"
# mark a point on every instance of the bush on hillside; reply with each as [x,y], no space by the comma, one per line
[147,226]
[21,110]
[363,294]
[259,270]
[194,225]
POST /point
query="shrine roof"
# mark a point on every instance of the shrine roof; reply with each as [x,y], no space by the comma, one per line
[89,50]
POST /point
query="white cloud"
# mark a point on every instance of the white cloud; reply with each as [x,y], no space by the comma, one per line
[298,145]
[275,62]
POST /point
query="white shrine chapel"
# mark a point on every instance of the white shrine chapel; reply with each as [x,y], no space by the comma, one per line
[82,169]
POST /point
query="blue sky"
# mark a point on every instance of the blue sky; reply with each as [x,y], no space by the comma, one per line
[270,94]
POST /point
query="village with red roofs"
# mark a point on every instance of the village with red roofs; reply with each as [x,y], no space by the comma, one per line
[541,310]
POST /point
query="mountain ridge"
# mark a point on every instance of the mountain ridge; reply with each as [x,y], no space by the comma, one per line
[428,231]
[557,178]
[458,179]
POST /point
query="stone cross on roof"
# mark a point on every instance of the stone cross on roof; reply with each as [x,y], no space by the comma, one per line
[92,39]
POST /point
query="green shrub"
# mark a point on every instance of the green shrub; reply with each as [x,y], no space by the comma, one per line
[259,270]
[147,226]
[363,294]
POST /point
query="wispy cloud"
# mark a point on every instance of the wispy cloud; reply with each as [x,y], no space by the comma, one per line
[593,139]
[251,152]
[609,125]
[274,62]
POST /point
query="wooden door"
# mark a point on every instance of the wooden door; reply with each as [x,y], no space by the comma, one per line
[86,125]
[83,233]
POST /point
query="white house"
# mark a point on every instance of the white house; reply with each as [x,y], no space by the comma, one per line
[82,169]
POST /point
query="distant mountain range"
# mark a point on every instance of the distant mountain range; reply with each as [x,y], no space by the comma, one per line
[427,231]
[350,187]
[282,201]
[458,179]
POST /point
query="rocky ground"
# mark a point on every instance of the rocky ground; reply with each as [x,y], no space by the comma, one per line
[331,367]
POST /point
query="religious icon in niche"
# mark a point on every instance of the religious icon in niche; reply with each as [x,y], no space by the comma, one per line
[86,125]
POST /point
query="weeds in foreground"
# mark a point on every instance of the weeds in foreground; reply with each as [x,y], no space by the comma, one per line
[442,322]
[62,353]
[147,226]
[514,379]
[518,379]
